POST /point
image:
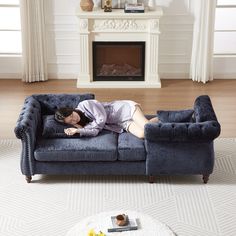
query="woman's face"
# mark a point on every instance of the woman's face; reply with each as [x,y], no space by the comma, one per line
[72,119]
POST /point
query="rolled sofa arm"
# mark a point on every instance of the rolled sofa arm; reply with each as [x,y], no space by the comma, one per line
[203,109]
[26,129]
[29,118]
[202,131]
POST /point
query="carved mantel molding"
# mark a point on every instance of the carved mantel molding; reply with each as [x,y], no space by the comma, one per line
[119,25]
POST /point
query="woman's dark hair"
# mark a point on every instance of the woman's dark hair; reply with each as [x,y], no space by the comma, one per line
[64,112]
[84,120]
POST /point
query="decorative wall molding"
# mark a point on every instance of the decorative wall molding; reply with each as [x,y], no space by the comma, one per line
[178,8]
[10,67]
[57,28]
[176,39]
[224,67]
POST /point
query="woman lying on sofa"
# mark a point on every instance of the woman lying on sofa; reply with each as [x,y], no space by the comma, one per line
[91,116]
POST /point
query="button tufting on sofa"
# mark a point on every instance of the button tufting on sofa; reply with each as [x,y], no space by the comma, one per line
[167,148]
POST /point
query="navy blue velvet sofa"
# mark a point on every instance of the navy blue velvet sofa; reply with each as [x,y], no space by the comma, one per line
[167,149]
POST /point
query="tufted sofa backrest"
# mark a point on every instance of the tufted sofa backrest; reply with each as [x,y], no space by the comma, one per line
[206,127]
[51,102]
[202,131]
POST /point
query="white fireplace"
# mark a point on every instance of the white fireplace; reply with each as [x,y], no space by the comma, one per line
[117,26]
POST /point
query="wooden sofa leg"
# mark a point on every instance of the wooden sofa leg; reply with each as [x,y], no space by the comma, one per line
[28,178]
[151,179]
[205,178]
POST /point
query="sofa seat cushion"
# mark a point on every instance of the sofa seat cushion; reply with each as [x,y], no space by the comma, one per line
[100,148]
[130,148]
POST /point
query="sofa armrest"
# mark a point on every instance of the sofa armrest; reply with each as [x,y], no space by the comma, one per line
[26,129]
[29,118]
[202,131]
[203,109]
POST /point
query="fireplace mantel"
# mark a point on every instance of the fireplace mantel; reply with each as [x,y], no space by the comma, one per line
[119,26]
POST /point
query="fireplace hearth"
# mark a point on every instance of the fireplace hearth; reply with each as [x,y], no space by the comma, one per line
[118,61]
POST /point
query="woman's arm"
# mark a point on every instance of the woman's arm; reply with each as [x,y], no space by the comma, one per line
[95,111]
[87,131]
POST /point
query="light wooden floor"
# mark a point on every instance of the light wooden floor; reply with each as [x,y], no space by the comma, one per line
[174,94]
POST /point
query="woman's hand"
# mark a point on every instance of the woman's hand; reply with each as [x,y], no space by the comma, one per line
[71,131]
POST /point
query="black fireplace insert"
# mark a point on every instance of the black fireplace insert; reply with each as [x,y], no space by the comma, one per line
[118,61]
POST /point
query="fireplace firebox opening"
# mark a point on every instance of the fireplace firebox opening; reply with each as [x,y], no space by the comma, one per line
[118,61]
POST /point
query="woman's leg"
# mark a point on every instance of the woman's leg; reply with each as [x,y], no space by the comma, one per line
[139,118]
[154,120]
[136,127]
[136,130]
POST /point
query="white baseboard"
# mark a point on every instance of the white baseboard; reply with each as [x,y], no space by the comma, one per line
[62,76]
[73,76]
[10,76]
[51,76]
[225,76]
[174,75]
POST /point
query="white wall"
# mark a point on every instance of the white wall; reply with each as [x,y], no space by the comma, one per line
[10,67]
[175,39]
[175,42]
[62,38]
